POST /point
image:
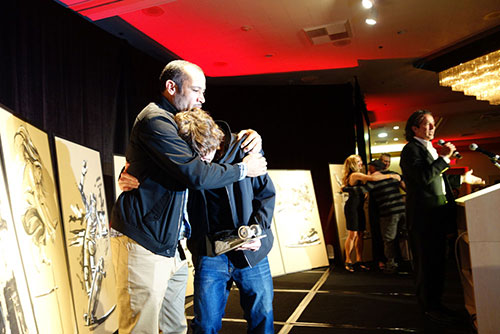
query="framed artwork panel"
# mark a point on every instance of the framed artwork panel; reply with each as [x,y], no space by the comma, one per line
[296,216]
[86,225]
[35,213]
[16,312]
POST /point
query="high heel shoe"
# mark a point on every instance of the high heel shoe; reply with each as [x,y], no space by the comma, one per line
[349,267]
[361,266]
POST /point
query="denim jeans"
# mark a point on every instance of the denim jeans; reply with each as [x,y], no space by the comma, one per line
[212,283]
[390,226]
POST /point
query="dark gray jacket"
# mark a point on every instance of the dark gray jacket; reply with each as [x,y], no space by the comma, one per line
[165,166]
[251,201]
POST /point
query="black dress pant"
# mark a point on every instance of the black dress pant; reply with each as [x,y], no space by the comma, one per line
[428,241]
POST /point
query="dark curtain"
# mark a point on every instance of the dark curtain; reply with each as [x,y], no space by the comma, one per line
[303,127]
[68,77]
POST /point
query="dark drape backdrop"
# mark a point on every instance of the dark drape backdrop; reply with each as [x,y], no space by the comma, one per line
[63,74]
[303,127]
[70,78]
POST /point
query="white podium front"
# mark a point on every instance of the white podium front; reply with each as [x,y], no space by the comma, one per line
[479,222]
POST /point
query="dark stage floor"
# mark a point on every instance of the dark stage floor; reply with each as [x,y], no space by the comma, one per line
[332,300]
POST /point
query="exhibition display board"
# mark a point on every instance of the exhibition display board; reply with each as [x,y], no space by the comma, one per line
[339,199]
[274,257]
[35,212]
[85,219]
[298,228]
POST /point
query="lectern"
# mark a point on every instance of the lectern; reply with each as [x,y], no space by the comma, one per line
[479,228]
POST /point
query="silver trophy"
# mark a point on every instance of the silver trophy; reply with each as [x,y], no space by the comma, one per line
[245,234]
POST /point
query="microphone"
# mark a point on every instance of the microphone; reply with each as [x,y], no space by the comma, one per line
[493,156]
[455,154]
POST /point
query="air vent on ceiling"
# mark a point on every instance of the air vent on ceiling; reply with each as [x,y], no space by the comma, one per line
[328,33]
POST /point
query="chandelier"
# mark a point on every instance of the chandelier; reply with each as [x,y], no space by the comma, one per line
[479,77]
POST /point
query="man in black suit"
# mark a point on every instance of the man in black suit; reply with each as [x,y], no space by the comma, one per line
[430,210]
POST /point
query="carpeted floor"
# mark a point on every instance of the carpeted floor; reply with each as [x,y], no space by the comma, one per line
[332,300]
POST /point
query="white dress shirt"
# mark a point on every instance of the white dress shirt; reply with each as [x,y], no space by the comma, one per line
[433,152]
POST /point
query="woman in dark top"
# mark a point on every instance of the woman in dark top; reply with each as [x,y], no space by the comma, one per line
[353,182]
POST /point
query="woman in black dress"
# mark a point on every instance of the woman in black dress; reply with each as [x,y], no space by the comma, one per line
[354,183]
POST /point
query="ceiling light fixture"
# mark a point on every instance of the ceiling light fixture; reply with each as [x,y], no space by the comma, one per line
[372,17]
[479,77]
[371,21]
[396,127]
[382,134]
[367,4]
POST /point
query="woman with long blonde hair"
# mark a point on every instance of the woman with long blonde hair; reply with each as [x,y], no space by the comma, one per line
[354,183]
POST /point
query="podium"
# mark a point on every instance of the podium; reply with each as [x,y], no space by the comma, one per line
[479,251]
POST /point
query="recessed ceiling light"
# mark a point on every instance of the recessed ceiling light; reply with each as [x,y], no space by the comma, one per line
[367,4]
[396,139]
[370,22]
[396,127]
[382,134]
[371,19]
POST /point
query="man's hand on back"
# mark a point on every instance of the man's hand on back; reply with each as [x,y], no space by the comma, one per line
[253,142]
[256,163]
[127,182]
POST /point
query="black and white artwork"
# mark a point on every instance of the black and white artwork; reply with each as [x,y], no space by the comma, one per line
[296,217]
[35,214]
[86,226]
[16,313]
